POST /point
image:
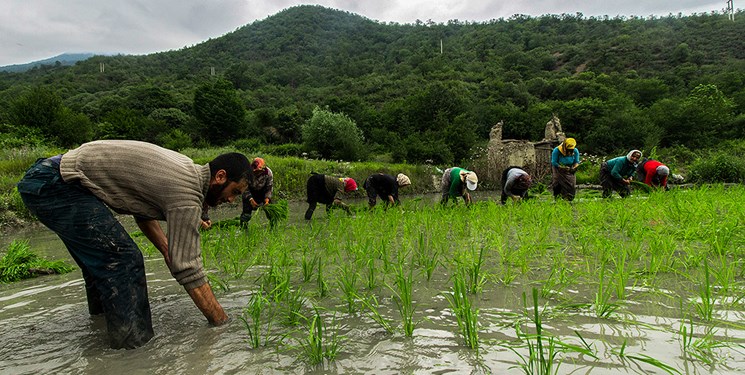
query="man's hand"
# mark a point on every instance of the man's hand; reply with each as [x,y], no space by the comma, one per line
[253,203]
[266,201]
[206,224]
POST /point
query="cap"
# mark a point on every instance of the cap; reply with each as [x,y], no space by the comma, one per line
[471,180]
[403,180]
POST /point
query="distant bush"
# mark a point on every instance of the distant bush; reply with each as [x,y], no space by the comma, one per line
[287,149]
[722,166]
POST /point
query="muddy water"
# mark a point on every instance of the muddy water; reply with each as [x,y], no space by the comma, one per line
[45,328]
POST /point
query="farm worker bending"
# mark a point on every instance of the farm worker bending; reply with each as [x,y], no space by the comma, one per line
[454,183]
[653,173]
[616,174]
[259,192]
[564,163]
[386,187]
[515,184]
[72,193]
[329,191]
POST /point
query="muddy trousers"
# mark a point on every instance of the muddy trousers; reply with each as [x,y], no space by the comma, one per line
[111,263]
[609,184]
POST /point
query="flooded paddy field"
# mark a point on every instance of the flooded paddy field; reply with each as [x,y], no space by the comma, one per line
[652,284]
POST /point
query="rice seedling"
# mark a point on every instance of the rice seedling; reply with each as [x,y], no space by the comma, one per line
[347,281]
[19,262]
[703,348]
[252,316]
[292,306]
[403,297]
[276,212]
[307,266]
[471,265]
[371,304]
[319,343]
[426,256]
[705,306]
[321,283]
[372,280]
[602,306]
[643,358]
[465,313]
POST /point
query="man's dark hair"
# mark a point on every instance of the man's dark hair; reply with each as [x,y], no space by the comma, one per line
[235,164]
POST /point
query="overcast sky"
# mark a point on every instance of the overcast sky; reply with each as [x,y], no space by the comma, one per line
[33,30]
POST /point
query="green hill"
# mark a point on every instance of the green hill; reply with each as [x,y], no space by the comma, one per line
[417,91]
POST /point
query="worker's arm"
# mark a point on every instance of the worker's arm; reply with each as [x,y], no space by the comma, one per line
[154,233]
[207,304]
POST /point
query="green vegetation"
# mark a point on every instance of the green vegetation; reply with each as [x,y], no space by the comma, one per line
[615,83]
[19,262]
[597,261]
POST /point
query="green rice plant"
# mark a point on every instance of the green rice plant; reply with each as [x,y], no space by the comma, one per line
[371,304]
[426,256]
[252,316]
[471,265]
[292,306]
[319,344]
[19,262]
[705,307]
[602,306]
[621,274]
[347,281]
[544,349]
[276,282]
[372,280]
[276,212]
[308,266]
[321,283]
[465,313]
[640,357]
[403,297]
[700,348]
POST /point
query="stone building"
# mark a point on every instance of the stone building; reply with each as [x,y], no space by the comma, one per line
[533,157]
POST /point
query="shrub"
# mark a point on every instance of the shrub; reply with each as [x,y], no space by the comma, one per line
[333,135]
[721,166]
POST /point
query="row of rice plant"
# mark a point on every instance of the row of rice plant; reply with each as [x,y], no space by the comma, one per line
[594,258]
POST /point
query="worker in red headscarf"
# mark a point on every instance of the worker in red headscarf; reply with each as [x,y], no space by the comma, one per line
[328,190]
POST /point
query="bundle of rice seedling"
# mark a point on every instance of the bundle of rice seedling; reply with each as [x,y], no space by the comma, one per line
[21,263]
[276,212]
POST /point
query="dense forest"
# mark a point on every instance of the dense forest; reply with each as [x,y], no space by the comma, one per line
[338,85]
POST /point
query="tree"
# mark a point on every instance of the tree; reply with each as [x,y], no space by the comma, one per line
[41,108]
[333,135]
[219,111]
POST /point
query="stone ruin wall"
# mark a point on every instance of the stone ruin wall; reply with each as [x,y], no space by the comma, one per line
[533,157]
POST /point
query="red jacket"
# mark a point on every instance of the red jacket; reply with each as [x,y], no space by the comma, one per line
[650,172]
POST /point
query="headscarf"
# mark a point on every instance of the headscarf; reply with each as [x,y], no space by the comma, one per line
[403,180]
[567,147]
[349,185]
[663,170]
[258,163]
[470,179]
[628,156]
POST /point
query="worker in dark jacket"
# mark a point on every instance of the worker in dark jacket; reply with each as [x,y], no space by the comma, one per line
[653,173]
[386,187]
[616,174]
[259,193]
[515,184]
[328,190]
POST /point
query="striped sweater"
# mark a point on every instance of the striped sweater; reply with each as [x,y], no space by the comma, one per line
[149,182]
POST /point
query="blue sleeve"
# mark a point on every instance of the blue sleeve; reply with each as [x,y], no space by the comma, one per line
[616,171]
[555,157]
[576,156]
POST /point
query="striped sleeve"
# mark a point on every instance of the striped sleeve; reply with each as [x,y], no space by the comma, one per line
[184,246]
